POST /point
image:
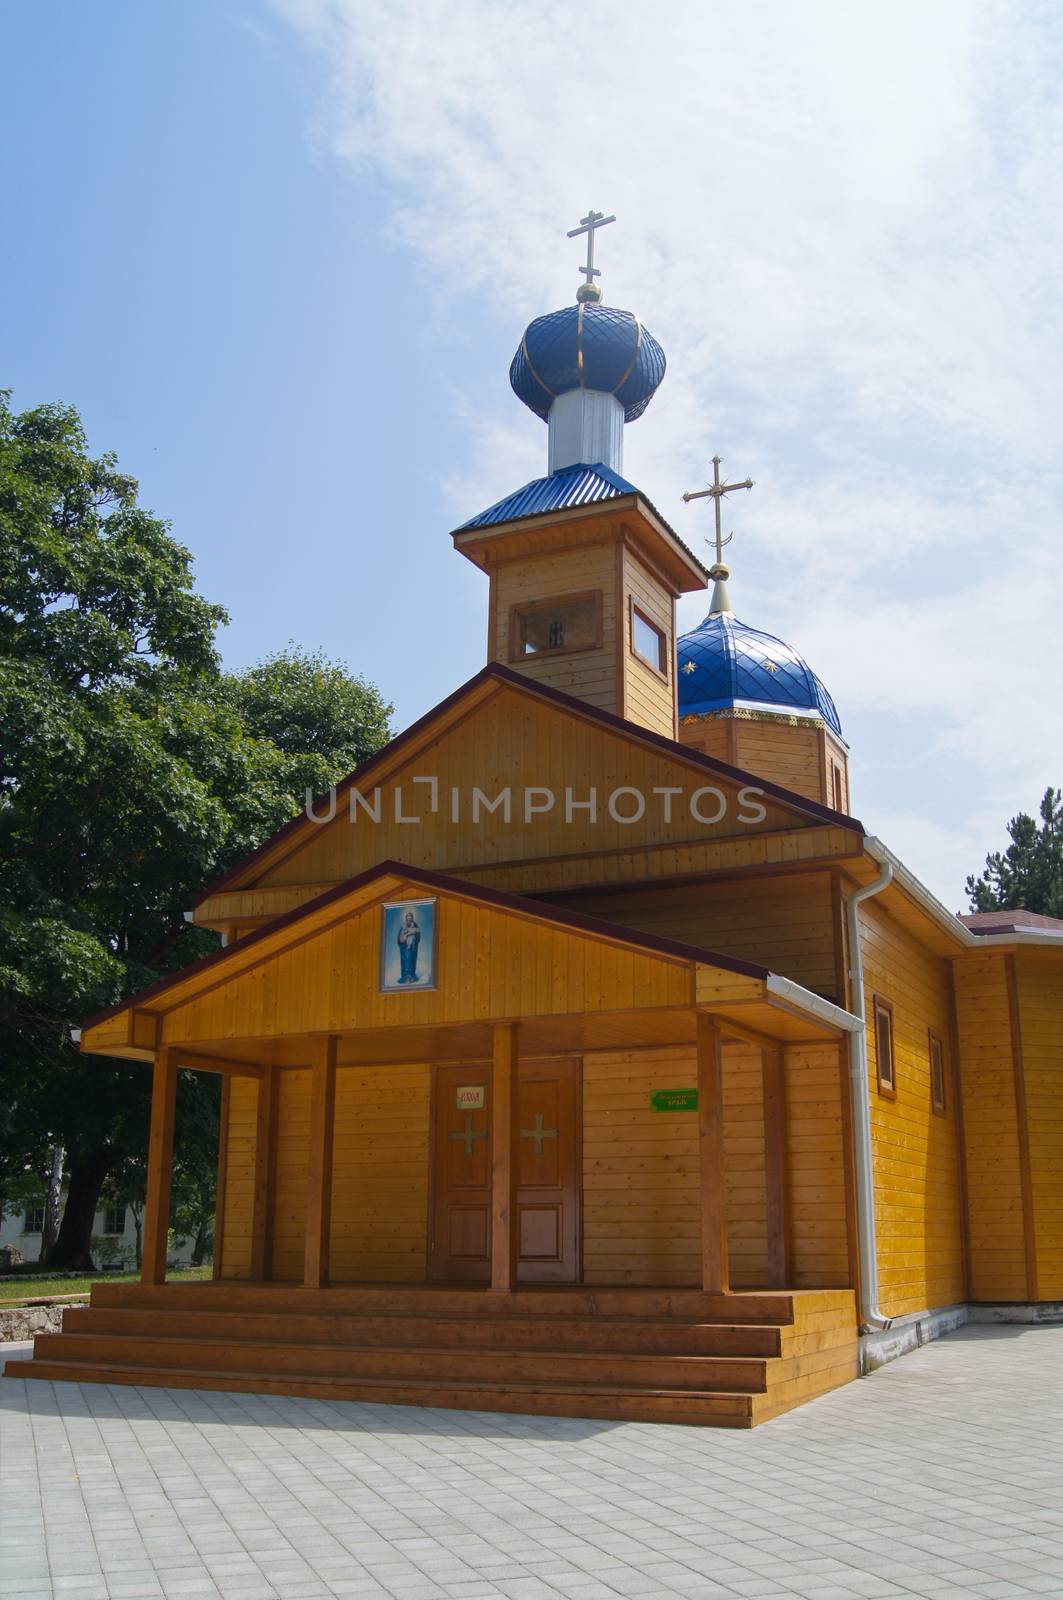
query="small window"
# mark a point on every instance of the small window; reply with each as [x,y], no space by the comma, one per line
[648,641]
[114,1219]
[839,788]
[887,1073]
[34,1220]
[571,622]
[937,1075]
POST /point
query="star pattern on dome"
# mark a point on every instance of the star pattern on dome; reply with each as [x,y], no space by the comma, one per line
[736,665]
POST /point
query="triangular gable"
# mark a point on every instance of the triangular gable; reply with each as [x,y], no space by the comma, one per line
[487,955]
[436,797]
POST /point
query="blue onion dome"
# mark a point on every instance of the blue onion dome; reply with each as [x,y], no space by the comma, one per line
[587,346]
[723,665]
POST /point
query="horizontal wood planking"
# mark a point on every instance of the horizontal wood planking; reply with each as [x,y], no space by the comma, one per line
[1039,989]
[491,964]
[380,1174]
[918,1178]
[783,753]
[648,696]
[994,1172]
[511,739]
[785,923]
[816,1165]
[239,1178]
[640,1169]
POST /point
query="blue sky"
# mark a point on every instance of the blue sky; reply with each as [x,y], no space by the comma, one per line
[279,255]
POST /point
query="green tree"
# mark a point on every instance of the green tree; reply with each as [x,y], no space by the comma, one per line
[131,771]
[1029,873]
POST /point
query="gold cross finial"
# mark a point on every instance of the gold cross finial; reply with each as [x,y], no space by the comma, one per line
[588,224]
[718,572]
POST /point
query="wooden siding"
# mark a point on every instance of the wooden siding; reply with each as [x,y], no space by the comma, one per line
[745,1194]
[239,1178]
[514,741]
[380,1174]
[781,752]
[289,1181]
[590,674]
[917,1156]
[713,736]
[641,1222]
[491,964]
[648,698]
[1039,989]
[994,1170]
[815,1153]
[783,923]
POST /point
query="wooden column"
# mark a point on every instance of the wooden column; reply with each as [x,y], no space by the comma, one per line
[223,1173]
[504,1241]
[160,1163]
[319,1164]
[714,1272]
[265,1172]
[776,1176]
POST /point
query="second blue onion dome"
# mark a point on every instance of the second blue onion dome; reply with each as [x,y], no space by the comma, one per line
[587,346]
[723,664]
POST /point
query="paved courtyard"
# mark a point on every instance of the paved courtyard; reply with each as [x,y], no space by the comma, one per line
[941,1475]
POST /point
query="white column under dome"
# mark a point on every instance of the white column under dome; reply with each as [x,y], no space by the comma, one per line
[586,425]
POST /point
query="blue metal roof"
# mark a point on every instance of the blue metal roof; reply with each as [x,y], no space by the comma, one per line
[724,663]
[587,347]
[579,485]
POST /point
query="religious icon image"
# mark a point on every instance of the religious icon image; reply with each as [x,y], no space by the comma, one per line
[407,945]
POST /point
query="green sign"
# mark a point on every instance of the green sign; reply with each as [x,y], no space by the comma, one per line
[674,1100]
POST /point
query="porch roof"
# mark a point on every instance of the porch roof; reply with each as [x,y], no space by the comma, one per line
[569,981]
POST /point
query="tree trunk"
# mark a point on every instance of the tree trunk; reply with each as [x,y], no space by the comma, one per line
[50,1231]
[202,1243]
[72,1251]
[137,1209]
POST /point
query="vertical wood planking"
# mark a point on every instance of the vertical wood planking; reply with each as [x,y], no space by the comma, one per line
[160,1163]
[504,1242]
[712,1174]
[265,1166]
[319,1163]
[776,1179]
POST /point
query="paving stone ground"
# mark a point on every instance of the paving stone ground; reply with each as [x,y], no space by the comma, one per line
[939,1476]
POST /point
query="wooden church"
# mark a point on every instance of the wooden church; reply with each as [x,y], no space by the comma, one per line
[583,1054]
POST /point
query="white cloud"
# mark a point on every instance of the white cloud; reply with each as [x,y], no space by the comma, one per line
[843,223]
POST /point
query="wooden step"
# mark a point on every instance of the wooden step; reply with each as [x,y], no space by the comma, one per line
[416,1300]
[633,1335]
[603,1402]
[491,1367]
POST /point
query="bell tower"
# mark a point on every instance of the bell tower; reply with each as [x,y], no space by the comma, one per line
[584,571]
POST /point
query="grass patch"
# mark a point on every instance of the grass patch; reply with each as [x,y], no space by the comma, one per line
[34,1286]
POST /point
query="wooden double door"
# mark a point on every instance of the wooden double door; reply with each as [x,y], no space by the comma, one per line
[548,1180]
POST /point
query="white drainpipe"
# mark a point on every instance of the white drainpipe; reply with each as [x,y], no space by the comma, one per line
[870,1315]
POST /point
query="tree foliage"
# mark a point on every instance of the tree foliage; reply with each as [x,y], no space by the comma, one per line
[132,769]
[1029,873]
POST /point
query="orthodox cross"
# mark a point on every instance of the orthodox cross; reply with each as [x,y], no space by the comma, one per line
[588,224]
[468,1134]
[717,490]
[538,1133]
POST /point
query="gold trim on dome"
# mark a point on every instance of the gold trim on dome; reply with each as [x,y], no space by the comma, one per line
[531,366]
[638,346]
[741,714]
[579,345]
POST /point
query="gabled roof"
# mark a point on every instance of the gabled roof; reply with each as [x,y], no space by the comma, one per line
[616,932]
[496,673]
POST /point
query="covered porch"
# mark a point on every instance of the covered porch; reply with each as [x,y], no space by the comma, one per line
[585,1170]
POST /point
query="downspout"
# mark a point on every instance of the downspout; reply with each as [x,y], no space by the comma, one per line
[863,1161]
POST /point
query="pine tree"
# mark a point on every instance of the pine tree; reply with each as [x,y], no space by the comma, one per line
[1029,873]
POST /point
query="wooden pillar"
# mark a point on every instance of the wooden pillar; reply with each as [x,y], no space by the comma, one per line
[223,1172]
[265,1171]
[504,1241]
[711,1181]
[319,1164]
[160,1163]
[776,1175]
